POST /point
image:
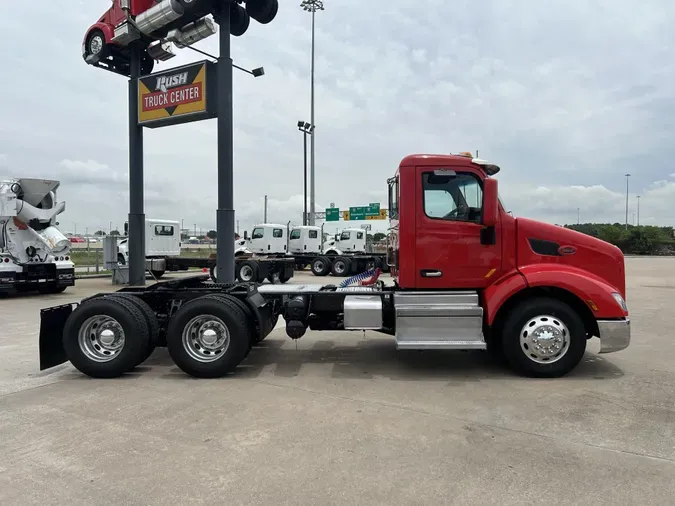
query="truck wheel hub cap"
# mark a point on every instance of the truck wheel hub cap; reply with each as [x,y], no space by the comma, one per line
[246,273]
[544,339]
[101,338]
[206,338]
[96,45]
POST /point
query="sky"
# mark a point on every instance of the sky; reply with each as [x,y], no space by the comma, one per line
[565,96]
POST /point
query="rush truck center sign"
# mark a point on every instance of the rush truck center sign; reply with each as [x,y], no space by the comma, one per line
[178,95]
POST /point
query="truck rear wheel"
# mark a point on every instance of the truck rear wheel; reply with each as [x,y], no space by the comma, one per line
[105,337]
[341,266]
[321,266]
[208,338]
[543,338]
[247,271]
[150,320]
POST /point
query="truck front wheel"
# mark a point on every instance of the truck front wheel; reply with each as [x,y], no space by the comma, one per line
[543,338]
[96,45]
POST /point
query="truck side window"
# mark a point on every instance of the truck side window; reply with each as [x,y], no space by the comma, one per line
[163,230]
[359,235]
[295,233]
[277,232]
[455,198]
[313,234]
[344,236]
[258,233]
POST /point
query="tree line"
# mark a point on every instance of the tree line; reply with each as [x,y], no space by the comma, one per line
[634,240]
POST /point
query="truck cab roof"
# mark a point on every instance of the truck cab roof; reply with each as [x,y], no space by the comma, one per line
[455,159]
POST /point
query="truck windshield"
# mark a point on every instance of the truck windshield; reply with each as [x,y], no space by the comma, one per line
[258,233]
[295,233]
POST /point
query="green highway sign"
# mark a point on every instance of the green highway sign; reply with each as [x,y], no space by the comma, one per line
[357,213]
[332,214]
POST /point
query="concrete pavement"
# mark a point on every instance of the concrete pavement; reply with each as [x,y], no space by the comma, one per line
[344,418]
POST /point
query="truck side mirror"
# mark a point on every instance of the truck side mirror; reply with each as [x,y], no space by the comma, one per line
[126,228]
[490,203]
[245,235]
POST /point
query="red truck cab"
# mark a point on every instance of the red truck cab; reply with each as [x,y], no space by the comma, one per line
[449,231]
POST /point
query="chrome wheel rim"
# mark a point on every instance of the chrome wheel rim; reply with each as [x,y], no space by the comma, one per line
[96,44]
[206,338]
[545,339]
[339,267]
[318,266]
[101,338]
[246,273]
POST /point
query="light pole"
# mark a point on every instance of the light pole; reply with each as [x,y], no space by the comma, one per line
[312,6]
[306,129]
[578,216]
[627,176]
[638,210]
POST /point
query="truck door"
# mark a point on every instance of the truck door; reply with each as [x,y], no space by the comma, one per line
[448,249]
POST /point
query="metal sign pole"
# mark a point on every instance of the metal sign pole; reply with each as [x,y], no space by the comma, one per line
[225,212]
[136,211]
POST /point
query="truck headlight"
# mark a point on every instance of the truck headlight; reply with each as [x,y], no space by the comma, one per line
[619,299]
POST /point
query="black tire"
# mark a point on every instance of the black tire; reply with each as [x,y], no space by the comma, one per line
[227,360]
[559,312]
[246,311]
[321,266]
[95,40]
[150,320]
[133,324]
[341,267]
[283,278]
[270,278]
[247,271]
[120,259]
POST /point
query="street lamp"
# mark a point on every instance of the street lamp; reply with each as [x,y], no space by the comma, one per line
[638,210]
[312,6]
[627,176]
[306,129]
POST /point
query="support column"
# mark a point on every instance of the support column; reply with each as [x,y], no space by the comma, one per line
[136,195]
[225,211]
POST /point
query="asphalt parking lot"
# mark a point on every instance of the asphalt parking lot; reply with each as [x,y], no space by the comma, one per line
[345,418]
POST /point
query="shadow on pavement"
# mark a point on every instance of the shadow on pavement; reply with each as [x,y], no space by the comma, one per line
[369,358]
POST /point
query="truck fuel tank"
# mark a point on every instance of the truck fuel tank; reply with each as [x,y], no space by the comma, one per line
[194,32]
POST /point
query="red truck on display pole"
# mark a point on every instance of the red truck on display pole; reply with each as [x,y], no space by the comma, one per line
[466,276]
[158,25]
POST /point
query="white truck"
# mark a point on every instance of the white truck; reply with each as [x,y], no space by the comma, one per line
[342,255]
[162,241]
[163,253]
[34,254]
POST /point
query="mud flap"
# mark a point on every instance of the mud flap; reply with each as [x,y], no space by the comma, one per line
[52,321]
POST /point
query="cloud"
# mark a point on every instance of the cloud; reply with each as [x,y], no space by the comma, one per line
[542,89]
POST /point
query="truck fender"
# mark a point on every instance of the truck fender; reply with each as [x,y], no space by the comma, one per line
[107,30]
[591,289]
[499,292]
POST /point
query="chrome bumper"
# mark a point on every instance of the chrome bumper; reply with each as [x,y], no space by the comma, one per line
[614,335]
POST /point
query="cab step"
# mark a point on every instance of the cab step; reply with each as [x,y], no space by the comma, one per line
[439,320]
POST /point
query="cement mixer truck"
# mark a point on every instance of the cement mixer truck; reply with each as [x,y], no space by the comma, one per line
[34,254]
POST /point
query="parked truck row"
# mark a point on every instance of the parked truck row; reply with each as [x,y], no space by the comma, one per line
[467,275]
[272,252]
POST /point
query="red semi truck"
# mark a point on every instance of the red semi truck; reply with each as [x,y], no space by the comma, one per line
[158,24]
[466,276]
